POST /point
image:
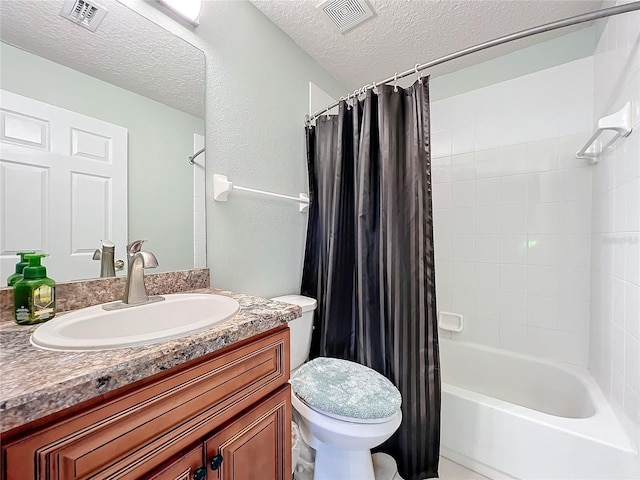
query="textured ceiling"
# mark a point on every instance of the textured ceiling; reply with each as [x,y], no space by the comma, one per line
[127,50]
[406,32]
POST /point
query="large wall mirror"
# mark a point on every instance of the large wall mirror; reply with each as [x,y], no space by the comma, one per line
[95,135]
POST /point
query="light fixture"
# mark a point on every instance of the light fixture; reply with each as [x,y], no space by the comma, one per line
[189,10]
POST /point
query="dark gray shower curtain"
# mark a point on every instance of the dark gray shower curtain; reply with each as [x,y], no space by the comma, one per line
[369,256]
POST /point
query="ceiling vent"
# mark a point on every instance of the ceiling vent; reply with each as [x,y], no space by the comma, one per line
[346,14]
[84,13]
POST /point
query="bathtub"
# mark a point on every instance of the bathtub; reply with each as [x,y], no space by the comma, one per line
[507,415]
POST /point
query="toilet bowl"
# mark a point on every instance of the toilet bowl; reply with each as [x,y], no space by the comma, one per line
[343,448]
[342,440]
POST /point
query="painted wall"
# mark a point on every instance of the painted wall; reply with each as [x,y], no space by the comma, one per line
[257,97]
[615,283]
[512,211]
[541,56]
[160,140]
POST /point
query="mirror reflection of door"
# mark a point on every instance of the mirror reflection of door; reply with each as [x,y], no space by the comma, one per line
[63,180]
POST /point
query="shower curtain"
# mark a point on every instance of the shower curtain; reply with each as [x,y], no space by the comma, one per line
[369,256]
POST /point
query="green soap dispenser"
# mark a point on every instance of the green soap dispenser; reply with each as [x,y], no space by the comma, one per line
[19,268]
[34,297]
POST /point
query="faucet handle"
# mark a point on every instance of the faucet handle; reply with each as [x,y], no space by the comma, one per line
[135,246]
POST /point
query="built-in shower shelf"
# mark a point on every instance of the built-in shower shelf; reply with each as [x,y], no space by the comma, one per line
[620,122]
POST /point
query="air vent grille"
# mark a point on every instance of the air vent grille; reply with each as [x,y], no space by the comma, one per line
[346,14]
[84,13]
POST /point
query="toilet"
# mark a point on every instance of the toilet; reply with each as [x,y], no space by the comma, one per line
[343,409]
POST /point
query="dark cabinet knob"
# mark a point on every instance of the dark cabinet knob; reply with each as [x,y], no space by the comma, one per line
[216,462]
[200,474]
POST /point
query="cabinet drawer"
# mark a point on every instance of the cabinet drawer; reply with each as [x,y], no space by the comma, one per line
[130,435]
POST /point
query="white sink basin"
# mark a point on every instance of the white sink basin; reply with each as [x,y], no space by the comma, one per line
[94,328]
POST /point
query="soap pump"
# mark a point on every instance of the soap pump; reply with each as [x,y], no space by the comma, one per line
[34,297]
[19,268]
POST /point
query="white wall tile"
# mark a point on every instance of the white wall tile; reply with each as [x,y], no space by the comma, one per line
[440,143]
[463,167]
[513,219]
[542,342]
[487,220]
[441,169]
[513,337]
[462,221]
[513,279]
[575,250]
[542,280]
[462,275]
[487,248]
[574,283]
[573,316]
[512,205]
[513,249]
[486,305]
[575,184]
[487,163]
[573,348]
[542,249]
[542,312]
[487,277]
[462,301]
[462,193]
[575,217]
[543,187]
[513,190]
[514,159]
[632,309]
[463,140]
[462,248]
[632,362]
[441,195]
[542,218]
[487,192]
[513,308]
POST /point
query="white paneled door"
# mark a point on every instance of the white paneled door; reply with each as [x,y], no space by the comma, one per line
[63,186]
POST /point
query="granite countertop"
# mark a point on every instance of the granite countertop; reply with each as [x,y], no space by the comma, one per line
[35,383]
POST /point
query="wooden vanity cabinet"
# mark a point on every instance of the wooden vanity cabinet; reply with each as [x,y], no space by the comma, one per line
[223,416]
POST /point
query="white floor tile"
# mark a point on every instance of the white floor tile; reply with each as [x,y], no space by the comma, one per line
[449,470]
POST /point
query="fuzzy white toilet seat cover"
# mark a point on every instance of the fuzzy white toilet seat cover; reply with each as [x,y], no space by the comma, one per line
[346,388]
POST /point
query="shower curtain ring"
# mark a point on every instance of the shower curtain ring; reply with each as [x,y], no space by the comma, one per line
[395,82]
[418,73]
[374,89]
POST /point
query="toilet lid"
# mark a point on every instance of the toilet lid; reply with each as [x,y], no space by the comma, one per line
[345,389]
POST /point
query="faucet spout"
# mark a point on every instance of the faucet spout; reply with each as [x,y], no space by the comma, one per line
[135,292]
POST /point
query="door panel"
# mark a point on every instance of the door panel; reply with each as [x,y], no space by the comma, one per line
[80,196]
[257,445]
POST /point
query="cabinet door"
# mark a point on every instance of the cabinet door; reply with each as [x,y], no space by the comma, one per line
[256,445]
[186,467]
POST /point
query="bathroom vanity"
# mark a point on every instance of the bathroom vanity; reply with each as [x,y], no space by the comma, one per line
[217,407]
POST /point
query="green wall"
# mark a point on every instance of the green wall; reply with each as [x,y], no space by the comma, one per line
[160,140]
[546,54]
[257,98]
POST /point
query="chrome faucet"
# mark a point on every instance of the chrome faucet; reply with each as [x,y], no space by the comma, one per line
[106,255]
[135,291]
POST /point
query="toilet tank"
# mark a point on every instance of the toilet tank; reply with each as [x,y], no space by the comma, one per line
[300,328]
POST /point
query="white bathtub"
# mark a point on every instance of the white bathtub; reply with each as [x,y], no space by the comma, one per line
[507,415]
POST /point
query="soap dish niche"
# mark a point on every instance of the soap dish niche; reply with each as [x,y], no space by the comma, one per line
[452,322]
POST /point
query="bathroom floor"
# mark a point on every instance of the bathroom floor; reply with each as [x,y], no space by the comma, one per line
[385,470]
[449,470]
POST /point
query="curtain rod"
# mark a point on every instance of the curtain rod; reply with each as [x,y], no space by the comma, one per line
[567,22]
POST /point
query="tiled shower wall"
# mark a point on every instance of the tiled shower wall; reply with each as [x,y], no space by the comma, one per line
[512,211]
[614,356]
